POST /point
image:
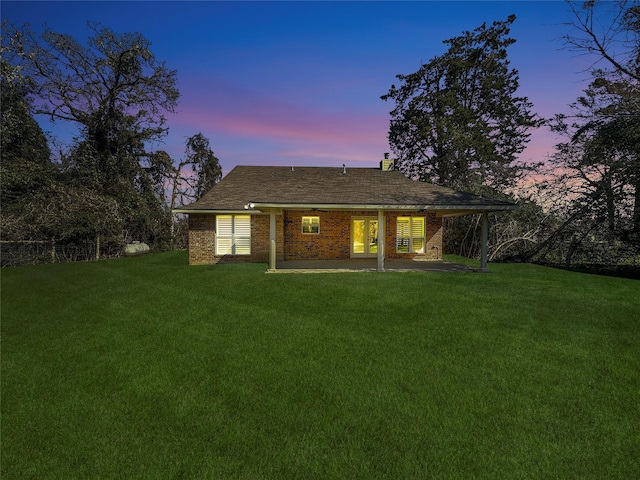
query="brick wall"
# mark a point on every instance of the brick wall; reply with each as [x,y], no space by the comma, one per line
[334,240]
[202,239]
[260,226]
[332,243]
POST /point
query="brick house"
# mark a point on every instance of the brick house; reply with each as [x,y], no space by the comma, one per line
[275,214]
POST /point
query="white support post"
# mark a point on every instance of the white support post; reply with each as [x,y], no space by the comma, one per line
[272,242]
[381,238]
[484,239]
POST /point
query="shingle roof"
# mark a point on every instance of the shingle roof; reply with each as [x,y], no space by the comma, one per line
[330,187]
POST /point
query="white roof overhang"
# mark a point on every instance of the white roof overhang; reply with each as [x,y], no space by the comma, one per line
[443,210]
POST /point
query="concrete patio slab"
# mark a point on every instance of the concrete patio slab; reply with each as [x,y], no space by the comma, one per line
[368,265]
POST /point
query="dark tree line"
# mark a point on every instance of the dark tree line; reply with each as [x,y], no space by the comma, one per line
[596,169]
[589,202]
[110,182]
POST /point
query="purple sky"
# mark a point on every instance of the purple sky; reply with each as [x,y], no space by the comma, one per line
[299,83]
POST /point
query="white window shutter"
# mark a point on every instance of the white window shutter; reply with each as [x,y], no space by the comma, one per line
[417,227]
[224,226]
[417,245]
[403,234]
[242,246]
[417,235]
[224,246]
[233,235]
[410,235]
[242,226]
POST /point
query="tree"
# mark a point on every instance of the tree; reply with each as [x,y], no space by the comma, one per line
[597,168]
[206,164]
[603,142]
[117,93]
[114,89]
[196,173]
[189,184]
[608,32]
[606,120]
[114,84]
[36,203]
[25,164]
[457,120]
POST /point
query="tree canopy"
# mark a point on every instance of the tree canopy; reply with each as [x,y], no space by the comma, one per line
[113,82]
[458,120]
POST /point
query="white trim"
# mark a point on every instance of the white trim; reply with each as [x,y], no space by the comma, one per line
[382,232]
[272,242]
[219,212]
[442,210]
[342,206]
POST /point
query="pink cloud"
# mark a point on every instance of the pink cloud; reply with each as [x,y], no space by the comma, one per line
[244,112]
[270,119]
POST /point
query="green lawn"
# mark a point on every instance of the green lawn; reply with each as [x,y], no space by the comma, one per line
[147,368]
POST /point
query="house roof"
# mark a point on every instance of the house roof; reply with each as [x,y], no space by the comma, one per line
[263,188]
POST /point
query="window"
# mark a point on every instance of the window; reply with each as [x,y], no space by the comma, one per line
[310,224]
[233,235]
[410,235]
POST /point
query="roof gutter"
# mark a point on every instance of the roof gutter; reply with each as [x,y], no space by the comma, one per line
[206,210]
[444,210]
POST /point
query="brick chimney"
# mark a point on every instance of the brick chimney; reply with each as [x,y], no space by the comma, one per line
[386,164]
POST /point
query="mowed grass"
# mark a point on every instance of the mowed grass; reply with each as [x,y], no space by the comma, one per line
[148,368]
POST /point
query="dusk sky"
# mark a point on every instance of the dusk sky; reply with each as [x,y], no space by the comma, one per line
[299,83]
